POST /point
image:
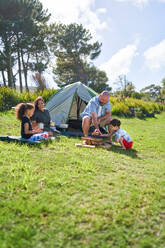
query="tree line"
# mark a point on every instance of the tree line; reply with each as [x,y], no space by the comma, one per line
[152,92]
[28,44]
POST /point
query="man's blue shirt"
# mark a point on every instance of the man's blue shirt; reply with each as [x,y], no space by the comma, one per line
[94,106]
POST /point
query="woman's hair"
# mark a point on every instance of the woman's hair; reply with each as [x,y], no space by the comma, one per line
[21,108]
[115,122]
[39,98]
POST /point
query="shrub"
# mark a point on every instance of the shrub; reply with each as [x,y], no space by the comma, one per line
[120,105]
[10,97]
[128,106]
[139,113]
[120,109]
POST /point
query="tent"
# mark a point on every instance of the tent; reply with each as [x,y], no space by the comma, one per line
[66,105]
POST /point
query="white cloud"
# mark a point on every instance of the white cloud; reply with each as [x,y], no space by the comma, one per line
[155,56]
[74,11]
[101,11]
[139,3]
[120,62]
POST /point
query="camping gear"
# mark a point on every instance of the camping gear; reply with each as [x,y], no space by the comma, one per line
[41,125]
[66,105]
[64,126]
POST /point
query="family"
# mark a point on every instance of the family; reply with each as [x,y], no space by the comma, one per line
[96,113]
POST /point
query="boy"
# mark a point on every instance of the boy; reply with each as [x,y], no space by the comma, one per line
[121,136]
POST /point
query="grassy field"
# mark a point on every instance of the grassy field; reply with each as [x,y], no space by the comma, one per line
[60,196]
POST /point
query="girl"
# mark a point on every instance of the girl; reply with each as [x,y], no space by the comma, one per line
[23,113]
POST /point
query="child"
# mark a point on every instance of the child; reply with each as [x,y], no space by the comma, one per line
[121,136]
[23,113]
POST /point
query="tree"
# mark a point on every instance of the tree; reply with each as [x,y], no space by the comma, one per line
[97,79]
[153,91]
[163,82]
[19,29]
[163,89]
[74,51]
[39,81]
[125,87]
[6,42]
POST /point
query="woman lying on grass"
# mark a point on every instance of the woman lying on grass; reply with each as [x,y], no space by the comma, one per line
[23,113]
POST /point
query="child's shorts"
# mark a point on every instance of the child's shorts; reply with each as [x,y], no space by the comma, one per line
[128,145]
[39,136]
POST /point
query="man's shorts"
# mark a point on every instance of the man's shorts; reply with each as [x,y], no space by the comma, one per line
[102,123]
[128,145]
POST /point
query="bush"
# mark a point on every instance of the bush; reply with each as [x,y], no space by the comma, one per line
[120,105]
[139,113]
[120,109]
[137,107]
[10,97]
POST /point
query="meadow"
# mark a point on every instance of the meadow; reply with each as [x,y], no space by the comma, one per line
[60,196]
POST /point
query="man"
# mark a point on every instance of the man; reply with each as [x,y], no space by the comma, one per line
[97,112]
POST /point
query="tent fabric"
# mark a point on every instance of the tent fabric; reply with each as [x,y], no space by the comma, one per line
[59,113]
[69,102]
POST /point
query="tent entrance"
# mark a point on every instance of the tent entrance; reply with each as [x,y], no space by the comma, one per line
[78,106]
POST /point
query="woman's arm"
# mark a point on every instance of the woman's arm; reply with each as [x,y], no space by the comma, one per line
[34,124]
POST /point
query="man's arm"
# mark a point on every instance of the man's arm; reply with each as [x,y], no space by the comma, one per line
[108,114]
[95,120]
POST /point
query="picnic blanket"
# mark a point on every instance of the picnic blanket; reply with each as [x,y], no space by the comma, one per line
[18,139]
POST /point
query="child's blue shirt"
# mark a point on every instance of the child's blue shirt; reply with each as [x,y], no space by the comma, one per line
[122,133]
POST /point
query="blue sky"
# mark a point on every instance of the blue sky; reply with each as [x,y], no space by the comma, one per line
[131,31]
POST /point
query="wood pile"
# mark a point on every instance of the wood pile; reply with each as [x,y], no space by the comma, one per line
[92,142]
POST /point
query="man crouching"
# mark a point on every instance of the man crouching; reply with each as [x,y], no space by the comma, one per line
[97,113]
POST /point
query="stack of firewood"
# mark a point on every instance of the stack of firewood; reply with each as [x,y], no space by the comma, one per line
[93,141]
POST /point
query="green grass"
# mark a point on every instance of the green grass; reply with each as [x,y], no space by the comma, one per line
[60,196]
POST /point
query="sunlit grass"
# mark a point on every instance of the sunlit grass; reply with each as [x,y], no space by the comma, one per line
[58,195]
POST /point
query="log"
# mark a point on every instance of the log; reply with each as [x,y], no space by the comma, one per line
[84,145]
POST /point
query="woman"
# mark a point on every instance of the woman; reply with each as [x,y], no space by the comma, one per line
[41,115]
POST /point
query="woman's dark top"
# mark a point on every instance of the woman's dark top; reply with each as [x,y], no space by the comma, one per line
[25,120]
[42,117]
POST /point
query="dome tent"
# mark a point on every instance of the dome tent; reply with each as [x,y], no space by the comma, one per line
[66,105]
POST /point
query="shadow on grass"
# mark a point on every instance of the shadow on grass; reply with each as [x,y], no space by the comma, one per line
[147,118]
[46,143]
[23,144]
[131,152]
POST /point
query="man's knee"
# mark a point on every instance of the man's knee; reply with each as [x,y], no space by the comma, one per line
[86,121]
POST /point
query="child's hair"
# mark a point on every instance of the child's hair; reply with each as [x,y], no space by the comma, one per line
[115,122]
[21,109]
[39,98]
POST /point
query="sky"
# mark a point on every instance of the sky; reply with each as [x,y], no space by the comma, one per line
[131,32]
